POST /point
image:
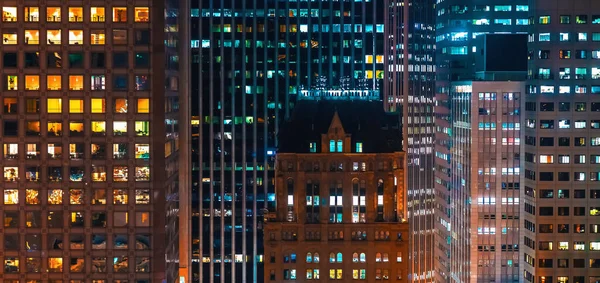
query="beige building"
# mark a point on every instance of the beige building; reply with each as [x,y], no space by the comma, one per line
[340,202]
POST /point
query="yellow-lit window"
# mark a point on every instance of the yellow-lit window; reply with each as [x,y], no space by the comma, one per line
[142,151]
[53,36]
[75,36]
[120,174]
[75,14]
[54,129]
[99,127]
[98,105]
[32,36]
[54,82]
[142,128]
[11,174]
[32,14]
[142,219]
[97,14]
[119,14]
[55,264]
[54,105]
[76,128]
[142,14]
[120,197]
[10,105]
[143,105]
[119,128]
[369,74]
[379,59]
[98,37]
[12,82]
[32,196]
[53,14]
[32,82]
[379,74]
[9,37]
[76,106]
[55,196]
[9,14]
[11,196]
[369,59]
[76,82]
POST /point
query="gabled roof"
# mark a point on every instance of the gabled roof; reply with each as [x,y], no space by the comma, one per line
[365,121]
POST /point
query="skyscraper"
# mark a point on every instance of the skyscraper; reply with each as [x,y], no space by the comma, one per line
[409,90]
[251,60]
[86,138]
[460,27]
[562,142]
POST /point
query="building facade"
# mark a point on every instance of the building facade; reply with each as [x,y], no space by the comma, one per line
[561,144]
[339,206]
[484,170]
[89,138]
[409,89]
[251,61]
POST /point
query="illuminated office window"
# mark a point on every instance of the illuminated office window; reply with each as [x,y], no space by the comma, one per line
[32,36]
[120,105]
[75,36]
[9,14]
[76,106]
[53,37]
[97,14]
[98,128]
[119,128]
[75,14]
[76,82]
[143,105]
[32,82]
[98,82]
[142,128]
[10,105]
[119,14]
[54,105]
[53,82]
[12,82]
[98,37]
[9,37]
[53,14]
[98,105]
[32,14]
[142,14]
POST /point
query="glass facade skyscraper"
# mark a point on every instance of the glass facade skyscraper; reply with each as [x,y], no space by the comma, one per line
[251,60]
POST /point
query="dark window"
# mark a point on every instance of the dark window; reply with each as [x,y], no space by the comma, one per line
[564,141]
[580,106]
[545,263]
[579,263]
[563,228]
[562,193]
[32,60]
[142,37]
[76,60]
[546,141]
[579,194]
[530,106]
[579,141]
[579,211]
[546,106]
[529,140]
[142,60]
[546,124]
[581,54]
[563,176]
[565,19]
[120,60]
[54,60]
[546,228]
[546,211]
[97,60]
[564,106]
[546,176]
[11,128]
[563,211]
[544,54]
[546,194]
[120,82]
[594,194]
[10,60]
[595,107]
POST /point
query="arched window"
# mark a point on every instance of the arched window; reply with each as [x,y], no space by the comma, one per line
[340,146]
[339,257]
[316,258]
[309,258]
[385,257]
[355,257]
[378,257]
[331,145]
[363,257]
[331,257]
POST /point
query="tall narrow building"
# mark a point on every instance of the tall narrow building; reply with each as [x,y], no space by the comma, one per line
[251,61]
[562,144]
[89,148]
[461,30]
[409,89]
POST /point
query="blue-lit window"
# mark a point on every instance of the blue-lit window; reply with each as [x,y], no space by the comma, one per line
[332,146]
[595,36]
[458,50]
[544,20]
[481,22]
[195,43]
[312,147]
[359,147]
[339,257]
[205,43]
[379,28]
[564,36]
[544,37]
[521,22]
[340,146]
[504,22]
[502,8]
[522,8]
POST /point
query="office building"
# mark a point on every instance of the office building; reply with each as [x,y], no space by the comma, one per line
[561,144]
[89,148]
[409,89]
[340,196]
[251,61]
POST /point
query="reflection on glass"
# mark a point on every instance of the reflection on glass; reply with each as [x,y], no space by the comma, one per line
[32,196]
[76,196]
[55,196]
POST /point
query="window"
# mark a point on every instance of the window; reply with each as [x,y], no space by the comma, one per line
[53,14]
[340,146]
[141,14]
[98,82]
[9,14]
[54,105]
[142,82]
[544,20]
[53,36]
[12,82]
[98,105]
[582,36]
[75,82]
[32,37]
[142,128]
[143,106]
[98,37]
[75,37]
[359,147]
[142,60]
[581,19]
[32,14]
[97,14]
[76,106]
[32,82]
[119,128]
[565,19]
[564,36]
[119,14]
[98,128]
[53,82]
[119,36]
[332,146]
[120,82]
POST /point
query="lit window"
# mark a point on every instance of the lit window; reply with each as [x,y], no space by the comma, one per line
[54,82]
[142,173]
[76,129]
[53,14]
[98,105]
[142,128]
[595,246]
[32,36]
[142,82]
[332,146]
[76,82]
[97,14]
[98,37]
[11,196]
[340,146]
[9,14]
[55,196]
[75,14]
[75,37]
[119,14]
[546,159]
[119,128]
[142,14]
[98,82]
[9,37]
[120,105]
[54,129]
[359,147]
[142,151]
[143,105]
[32,14]
[99,128]
[32,196]
[563,246]
[12,82]
[76,106]
[54,105]
[32,82]
[120,174]
[544,20]
[579,246]
[142,219]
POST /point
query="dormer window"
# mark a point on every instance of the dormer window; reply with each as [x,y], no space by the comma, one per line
[359,147]
[312,147]
[331,145]
[340,146]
